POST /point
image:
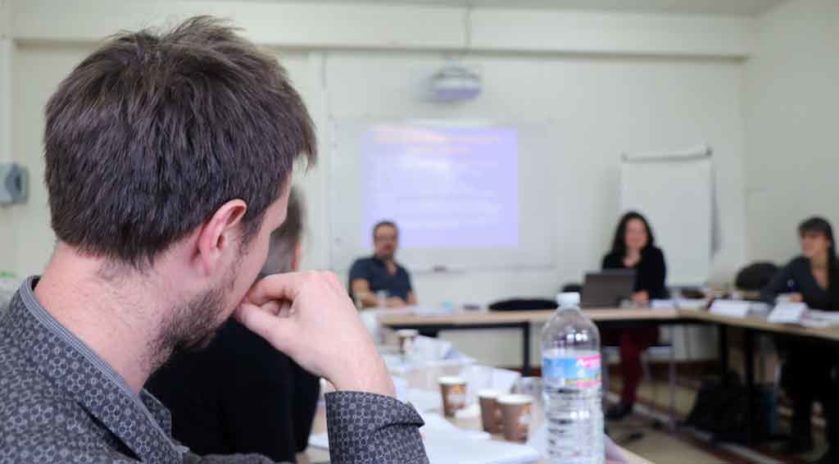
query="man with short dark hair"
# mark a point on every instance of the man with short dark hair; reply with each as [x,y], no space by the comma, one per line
[381,274]
[168,166]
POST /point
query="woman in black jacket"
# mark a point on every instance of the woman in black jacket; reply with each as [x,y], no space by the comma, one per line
[809,368]
[812,277]
[633,247]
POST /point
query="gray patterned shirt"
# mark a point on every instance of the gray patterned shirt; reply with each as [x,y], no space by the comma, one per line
[60,402]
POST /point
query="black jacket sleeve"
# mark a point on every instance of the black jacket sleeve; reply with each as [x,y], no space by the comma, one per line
[779,284]
[257,401]
[652,273]
[304,404]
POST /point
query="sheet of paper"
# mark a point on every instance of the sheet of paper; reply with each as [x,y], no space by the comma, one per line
[448,444]
[424,400]
[453,449]
[662,304]
[430,349]
[731,308]
[431,311]
[788,313]
[830,316]
[688,303]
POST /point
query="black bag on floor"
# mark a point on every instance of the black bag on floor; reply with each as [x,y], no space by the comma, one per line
[721,409]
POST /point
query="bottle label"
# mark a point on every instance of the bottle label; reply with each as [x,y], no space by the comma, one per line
[572,371]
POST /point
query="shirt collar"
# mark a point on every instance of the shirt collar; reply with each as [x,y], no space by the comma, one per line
[140,422]
[382,262]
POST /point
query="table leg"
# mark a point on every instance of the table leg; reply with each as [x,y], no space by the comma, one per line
[722,348]
[427,332]
[525,349]
[748,352]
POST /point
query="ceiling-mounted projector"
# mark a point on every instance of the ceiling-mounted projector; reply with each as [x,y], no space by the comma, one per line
[455,83]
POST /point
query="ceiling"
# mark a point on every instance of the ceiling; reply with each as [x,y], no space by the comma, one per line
[712,7]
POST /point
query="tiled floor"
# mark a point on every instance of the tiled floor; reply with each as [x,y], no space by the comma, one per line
[640,433]
[658,446]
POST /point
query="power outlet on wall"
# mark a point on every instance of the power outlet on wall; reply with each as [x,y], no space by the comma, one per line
[14,184]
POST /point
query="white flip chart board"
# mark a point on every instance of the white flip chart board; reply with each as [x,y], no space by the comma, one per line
[674,190]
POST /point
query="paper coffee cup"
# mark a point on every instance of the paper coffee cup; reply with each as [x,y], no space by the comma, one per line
[515,416]
[453,389]
[406,339]
[490,412]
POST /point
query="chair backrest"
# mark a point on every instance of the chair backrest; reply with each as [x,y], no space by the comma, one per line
[572,287]
[755,276]
[522,304]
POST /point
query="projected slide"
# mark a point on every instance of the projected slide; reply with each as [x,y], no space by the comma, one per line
[446,187]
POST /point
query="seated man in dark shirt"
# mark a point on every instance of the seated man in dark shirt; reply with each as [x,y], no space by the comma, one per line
[240,395]
[381,272]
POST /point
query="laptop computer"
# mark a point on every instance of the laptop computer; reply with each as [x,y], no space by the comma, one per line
[607,289]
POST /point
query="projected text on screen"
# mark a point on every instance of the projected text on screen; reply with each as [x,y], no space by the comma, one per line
[444,186]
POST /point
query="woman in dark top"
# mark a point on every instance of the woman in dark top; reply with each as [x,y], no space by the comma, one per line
[634,248]
[812,278]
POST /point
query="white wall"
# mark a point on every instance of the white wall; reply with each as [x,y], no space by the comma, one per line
[6,47]
[36,73]
[791,99]
[7,229]
[321,24]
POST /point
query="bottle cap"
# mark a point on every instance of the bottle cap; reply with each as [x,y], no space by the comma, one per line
[566,299]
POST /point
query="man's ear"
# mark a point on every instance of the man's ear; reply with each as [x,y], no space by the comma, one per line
[218,233]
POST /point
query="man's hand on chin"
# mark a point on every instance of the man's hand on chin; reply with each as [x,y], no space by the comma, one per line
[310,317]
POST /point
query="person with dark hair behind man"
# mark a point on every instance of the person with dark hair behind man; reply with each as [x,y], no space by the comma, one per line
[240,395]
[809,369]
[633,247]
[381,272]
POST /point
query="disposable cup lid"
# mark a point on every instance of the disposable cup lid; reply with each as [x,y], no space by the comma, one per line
[451,380]
[515,399]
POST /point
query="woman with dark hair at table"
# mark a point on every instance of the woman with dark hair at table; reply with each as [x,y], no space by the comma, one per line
[809,368]
[633,247]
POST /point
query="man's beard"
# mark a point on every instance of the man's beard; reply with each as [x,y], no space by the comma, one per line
[193,324]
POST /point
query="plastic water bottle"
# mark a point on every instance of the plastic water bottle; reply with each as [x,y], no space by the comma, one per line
[572,386]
